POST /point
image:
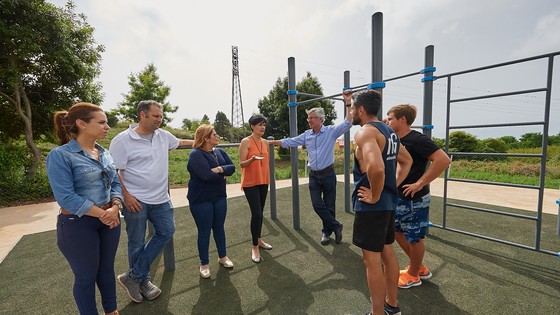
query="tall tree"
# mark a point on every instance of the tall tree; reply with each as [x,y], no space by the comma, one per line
[145,85]
[187,124]
[222,125]
[48,61]
[275,106]
[205,119]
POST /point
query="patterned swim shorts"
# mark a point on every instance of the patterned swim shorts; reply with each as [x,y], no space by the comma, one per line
[412,217]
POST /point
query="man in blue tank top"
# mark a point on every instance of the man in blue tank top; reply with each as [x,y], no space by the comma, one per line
[381,163]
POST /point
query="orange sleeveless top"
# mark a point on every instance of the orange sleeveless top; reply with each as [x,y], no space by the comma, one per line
[258,172]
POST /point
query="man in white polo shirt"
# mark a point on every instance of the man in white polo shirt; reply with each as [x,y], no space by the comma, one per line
[140,154]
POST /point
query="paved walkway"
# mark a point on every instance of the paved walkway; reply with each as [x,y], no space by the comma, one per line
[16,222]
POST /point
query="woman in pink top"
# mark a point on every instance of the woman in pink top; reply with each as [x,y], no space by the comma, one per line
[255,177]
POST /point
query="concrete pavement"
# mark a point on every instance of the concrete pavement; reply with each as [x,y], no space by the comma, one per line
[16,222]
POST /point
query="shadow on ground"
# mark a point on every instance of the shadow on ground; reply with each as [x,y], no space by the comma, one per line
[298,276]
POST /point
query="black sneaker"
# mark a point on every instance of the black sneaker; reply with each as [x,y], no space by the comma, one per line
[389,310]
[338,234]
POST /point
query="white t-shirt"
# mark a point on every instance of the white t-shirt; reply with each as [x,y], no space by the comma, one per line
[144,164]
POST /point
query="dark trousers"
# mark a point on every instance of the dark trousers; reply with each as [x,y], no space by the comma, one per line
[90,248]
[256,196]
[322,188]
[210,216]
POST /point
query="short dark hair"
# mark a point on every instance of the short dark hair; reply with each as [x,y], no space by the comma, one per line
[256,119]
[144,106]
[370,100]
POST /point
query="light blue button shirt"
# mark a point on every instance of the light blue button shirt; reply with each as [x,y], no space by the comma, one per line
[320,146]
[79,181]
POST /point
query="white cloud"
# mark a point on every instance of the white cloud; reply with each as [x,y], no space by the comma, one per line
[544,37]
[190,43]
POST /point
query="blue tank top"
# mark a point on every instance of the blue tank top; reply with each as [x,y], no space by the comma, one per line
[388,200]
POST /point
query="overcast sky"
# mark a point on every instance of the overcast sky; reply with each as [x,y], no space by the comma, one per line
[190,44]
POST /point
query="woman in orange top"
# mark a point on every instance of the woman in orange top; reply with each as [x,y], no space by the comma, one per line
[255,177]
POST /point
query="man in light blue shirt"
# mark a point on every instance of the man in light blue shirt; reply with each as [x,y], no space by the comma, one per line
[319,141]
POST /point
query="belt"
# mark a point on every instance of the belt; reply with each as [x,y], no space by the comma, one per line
[326,169]
[104,207]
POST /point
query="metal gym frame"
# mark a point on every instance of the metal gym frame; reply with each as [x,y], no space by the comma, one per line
[427,80]
[542,156]
[377,84]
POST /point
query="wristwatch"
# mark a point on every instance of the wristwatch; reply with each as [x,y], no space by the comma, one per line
[118,204]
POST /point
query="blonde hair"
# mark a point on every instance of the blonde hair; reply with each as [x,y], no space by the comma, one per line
[406,110]
[204,131]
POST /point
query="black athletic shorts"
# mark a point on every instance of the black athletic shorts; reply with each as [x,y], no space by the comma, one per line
[373,229]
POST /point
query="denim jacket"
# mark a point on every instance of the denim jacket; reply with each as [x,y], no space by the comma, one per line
[79,181]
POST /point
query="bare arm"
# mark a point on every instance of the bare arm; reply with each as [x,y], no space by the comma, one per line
[439,162]
[185,142]
[130,202]
[244,161]
[347,102]
[404,163]
[371,162]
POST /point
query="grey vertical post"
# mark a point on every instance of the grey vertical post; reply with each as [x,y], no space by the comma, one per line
[169,256]
[347,195]
[558,223]
[548,96]
[272,180]
[428,90]
[377,53]
[292,98]
[446,176]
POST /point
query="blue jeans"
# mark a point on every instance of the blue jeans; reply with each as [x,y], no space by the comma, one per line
[141,255]
[322,188]
[90,248]
[210,216]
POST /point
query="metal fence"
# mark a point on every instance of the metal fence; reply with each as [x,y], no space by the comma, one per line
[540,158]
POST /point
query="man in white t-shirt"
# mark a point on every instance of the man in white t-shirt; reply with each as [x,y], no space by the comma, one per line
[140,154]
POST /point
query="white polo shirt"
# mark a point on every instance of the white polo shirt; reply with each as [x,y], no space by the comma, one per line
[144,164]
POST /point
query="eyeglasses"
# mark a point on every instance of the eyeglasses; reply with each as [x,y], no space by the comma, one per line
[311,118]
[106,179]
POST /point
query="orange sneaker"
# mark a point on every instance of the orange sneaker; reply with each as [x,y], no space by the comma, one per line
[424,272]
[406,281]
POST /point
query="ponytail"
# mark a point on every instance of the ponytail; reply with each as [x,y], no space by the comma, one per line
[65,121]
[60,127]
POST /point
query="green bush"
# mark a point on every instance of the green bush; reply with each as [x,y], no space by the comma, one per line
[15,159]
[16,187]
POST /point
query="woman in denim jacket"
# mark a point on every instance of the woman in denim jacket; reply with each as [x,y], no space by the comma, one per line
[87,189]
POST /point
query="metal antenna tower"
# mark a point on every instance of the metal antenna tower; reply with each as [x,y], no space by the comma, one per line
[237,119]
